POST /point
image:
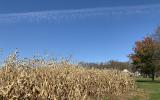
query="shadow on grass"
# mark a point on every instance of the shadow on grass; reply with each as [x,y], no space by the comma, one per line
[148,81]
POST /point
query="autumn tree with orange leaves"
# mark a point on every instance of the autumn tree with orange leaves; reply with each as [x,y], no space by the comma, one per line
[146,55]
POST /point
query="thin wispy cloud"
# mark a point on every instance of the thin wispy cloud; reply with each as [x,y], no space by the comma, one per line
[62,15]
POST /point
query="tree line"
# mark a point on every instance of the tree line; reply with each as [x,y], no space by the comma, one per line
[112,64]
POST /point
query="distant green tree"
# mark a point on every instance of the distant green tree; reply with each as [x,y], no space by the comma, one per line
[156,34]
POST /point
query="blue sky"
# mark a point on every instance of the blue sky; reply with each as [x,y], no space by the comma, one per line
[90,30]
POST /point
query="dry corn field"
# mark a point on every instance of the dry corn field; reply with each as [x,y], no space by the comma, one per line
[50,80]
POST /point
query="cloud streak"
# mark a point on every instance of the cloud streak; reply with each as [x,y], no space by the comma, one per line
[63,15]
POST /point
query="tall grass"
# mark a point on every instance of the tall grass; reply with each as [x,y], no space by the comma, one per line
[42,80]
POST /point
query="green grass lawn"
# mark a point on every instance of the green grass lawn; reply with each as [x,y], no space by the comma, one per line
[152,88]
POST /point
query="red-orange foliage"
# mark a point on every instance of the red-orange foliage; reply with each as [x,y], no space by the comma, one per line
[136,59]
[144,48]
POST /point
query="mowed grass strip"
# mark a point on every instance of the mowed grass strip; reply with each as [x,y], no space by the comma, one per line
[152,88]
